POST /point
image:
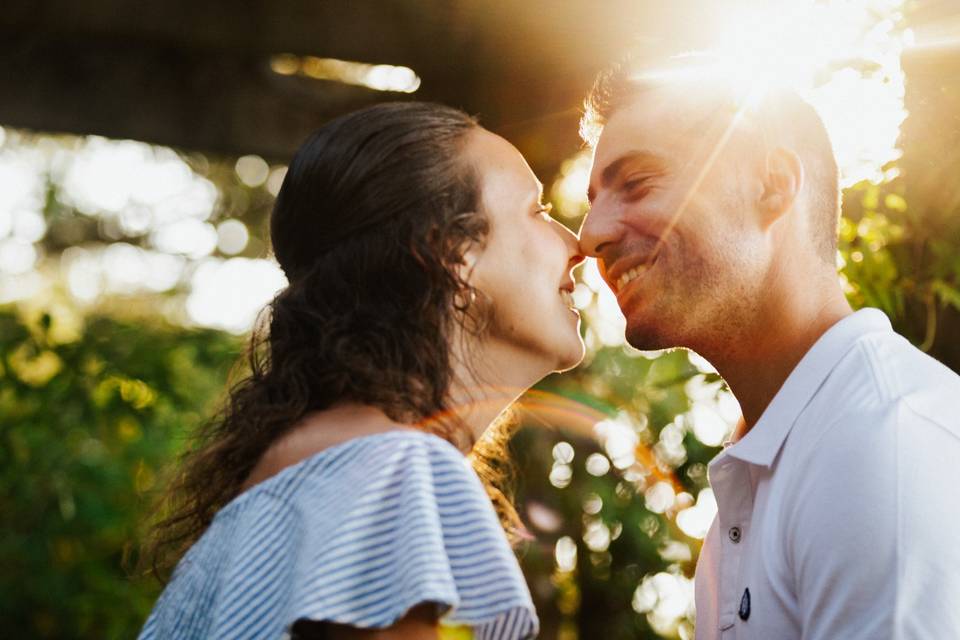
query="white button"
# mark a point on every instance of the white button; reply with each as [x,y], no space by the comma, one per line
[734,534]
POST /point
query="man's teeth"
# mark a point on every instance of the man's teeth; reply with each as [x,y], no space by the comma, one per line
[567,298]
[625,279]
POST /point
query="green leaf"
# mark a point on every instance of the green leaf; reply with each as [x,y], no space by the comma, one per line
[947,293]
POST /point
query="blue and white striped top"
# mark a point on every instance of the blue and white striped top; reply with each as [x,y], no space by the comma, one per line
[357,534]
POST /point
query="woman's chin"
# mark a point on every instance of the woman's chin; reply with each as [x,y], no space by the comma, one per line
[572,355]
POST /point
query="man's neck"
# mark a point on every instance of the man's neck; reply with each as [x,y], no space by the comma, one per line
[772,348]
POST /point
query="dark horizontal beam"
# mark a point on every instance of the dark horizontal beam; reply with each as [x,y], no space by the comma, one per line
[191,99]
[416,33]
[379,31]
[194,73]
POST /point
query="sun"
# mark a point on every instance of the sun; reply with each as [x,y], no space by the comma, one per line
[843,57]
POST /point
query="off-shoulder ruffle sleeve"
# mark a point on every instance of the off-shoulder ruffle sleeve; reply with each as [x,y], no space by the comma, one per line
[359,535]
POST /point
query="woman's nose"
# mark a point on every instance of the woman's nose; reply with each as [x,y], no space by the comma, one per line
[573,245]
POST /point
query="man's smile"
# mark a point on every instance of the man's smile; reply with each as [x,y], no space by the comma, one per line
[624,272]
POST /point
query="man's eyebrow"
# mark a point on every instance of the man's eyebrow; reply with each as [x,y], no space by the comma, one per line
[611,170]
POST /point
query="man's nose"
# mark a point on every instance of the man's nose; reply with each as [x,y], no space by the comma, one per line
[599,230]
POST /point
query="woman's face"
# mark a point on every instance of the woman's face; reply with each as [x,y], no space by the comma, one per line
[524,266]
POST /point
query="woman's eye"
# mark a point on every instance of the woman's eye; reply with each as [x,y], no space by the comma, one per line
[544,211]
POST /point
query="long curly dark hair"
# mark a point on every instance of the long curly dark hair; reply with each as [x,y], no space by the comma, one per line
[370,227]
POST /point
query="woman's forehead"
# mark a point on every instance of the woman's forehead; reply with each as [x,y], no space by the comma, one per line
[501,167]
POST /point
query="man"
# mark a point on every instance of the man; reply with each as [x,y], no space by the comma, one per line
[713,219]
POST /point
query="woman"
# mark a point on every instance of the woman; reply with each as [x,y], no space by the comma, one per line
[428,287]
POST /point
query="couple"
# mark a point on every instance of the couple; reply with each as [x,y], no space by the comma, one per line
[429,286]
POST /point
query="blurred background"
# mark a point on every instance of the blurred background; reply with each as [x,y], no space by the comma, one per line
[142,145]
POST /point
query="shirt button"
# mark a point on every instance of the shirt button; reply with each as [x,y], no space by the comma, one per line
[734,534]
[744,611]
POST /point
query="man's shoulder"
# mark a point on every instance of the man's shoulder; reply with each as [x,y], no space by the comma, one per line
[885,424]
[884,398]
[870,478]
[909,381]
[883,373]
[888,456]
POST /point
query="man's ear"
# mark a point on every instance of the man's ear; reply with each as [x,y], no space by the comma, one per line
[782,182]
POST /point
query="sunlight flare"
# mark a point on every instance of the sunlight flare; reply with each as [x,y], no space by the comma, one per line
[842,56]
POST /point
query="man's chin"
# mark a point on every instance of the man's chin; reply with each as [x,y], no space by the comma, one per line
[647,338]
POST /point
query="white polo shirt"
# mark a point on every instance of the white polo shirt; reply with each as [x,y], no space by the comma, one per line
[839,511]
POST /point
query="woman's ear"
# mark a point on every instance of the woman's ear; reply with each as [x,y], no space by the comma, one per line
[470,258]
[466,270]
[465,298]
[783,179]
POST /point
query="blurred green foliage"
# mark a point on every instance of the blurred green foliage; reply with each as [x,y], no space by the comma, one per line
[620,536]
[899,256]
[90,414]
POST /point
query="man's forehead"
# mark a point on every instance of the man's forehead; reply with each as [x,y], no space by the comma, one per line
[665,121]
[636,129]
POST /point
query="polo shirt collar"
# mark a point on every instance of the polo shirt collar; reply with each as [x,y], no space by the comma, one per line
[762,443]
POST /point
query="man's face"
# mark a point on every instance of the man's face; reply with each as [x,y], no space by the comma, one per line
[671,221]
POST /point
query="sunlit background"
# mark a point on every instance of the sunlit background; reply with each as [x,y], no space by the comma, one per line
[844,57]
[616,495]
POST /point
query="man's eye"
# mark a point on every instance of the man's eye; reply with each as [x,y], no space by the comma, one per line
[636,187]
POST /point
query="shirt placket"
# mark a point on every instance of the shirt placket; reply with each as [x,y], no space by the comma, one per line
[730,479]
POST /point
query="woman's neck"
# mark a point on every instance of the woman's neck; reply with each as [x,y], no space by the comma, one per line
[497,374]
